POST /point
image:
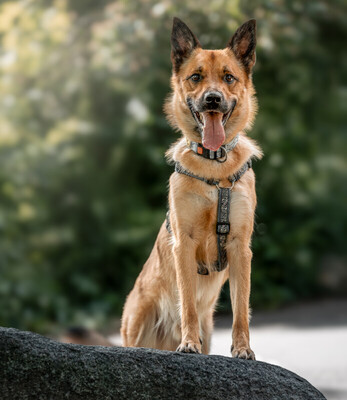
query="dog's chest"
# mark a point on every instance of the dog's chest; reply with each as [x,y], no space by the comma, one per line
[205,233]
[238,214]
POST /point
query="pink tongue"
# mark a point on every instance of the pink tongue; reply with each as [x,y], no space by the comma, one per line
[214,134]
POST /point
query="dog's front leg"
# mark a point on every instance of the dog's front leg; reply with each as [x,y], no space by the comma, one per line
[240,257]
[186,273]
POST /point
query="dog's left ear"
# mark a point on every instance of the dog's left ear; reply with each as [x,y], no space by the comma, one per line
[183,42]
[243,44]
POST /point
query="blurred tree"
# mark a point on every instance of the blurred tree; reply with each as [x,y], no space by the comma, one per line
[82,138]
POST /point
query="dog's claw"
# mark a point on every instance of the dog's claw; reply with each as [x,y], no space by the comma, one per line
[244,353]
[189,347]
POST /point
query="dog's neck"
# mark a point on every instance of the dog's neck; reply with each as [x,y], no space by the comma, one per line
[219,155]
[246,149]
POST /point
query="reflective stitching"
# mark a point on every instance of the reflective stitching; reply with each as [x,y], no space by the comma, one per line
[223,227]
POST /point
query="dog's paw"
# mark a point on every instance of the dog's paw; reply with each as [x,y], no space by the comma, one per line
[189,347]
[242,352]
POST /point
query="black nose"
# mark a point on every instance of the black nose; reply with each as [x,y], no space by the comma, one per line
[213,97]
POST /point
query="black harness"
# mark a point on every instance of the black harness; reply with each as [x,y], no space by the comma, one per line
[223,224]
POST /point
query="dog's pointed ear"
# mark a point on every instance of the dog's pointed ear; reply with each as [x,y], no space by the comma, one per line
[243,44]
[183,42]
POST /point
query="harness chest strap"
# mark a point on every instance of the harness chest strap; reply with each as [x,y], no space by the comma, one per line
[223,226]
[223,211]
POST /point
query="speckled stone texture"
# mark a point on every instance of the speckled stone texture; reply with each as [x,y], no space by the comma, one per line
[34,367]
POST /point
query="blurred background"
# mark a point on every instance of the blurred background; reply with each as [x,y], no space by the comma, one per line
[83,180]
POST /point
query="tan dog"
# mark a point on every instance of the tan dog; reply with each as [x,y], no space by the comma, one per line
[171,305]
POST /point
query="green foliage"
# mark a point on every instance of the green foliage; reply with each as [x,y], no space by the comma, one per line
[82,136]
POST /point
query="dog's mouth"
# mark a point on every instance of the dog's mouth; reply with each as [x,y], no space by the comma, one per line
[211,125]
[200,120]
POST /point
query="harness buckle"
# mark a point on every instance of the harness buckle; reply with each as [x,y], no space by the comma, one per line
[223,228]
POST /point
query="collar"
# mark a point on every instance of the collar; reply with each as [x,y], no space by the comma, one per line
[220,155]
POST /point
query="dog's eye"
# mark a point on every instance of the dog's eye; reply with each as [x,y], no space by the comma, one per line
[196,77]
[229,78]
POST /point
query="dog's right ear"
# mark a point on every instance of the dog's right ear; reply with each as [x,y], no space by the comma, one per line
[183,42]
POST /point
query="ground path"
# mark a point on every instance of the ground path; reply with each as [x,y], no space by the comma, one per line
[308,339]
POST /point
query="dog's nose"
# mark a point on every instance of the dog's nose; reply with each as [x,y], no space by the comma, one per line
[213,97]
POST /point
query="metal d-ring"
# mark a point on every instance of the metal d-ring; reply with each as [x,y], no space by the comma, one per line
[231,187]
[222,160]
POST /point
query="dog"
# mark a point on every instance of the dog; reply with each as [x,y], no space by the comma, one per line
[206,238]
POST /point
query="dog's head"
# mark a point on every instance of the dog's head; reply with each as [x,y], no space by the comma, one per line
[213,96]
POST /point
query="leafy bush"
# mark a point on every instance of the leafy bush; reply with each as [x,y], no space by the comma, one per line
[83,179]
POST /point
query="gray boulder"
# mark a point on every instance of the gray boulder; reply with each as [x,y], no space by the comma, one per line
[35,367]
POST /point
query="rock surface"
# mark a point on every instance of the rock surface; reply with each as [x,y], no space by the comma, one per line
[35,367]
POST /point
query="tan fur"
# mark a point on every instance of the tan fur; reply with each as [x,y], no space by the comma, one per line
[171,305]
